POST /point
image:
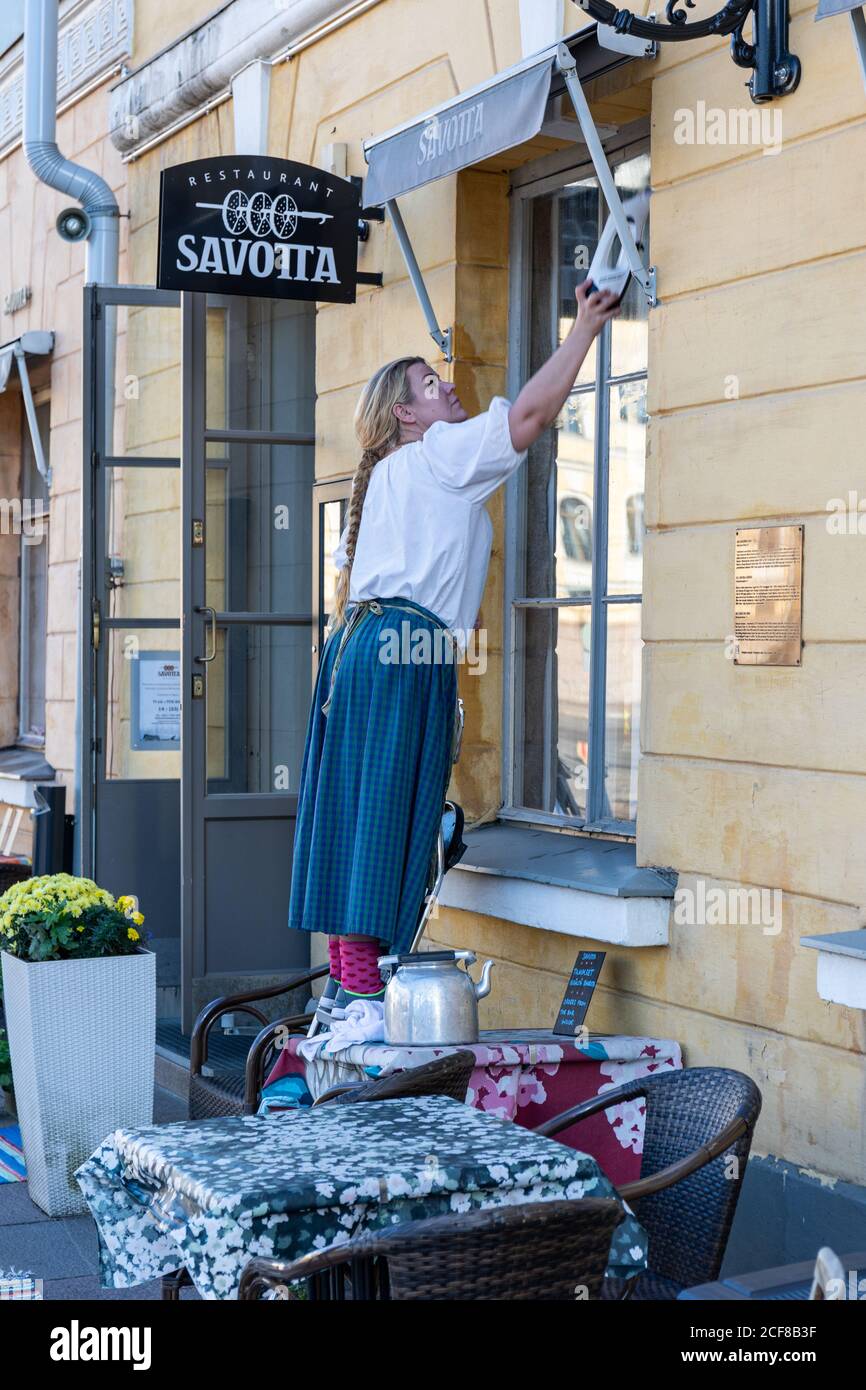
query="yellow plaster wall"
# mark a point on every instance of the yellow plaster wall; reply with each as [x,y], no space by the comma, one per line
[31,253]
[749,777]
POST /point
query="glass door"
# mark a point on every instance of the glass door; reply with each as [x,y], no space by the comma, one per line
[130,695]
[248,632]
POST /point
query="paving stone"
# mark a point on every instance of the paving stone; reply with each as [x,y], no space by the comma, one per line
[44,1249]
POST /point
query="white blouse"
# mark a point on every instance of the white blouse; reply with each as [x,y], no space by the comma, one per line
[425,533]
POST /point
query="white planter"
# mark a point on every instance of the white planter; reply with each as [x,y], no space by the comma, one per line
[82,1038]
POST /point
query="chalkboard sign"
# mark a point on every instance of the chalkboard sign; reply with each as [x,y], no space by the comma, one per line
[579,992]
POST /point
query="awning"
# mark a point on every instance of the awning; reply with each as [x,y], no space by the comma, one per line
[477,125]
[36,343]
[494,116]
[498,115]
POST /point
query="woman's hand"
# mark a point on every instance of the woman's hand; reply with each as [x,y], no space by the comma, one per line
[594,310]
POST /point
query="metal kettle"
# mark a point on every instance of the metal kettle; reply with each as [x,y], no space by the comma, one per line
[430,1001]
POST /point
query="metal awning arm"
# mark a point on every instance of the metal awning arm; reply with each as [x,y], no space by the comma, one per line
[442,339]
[645,276]
[30,412]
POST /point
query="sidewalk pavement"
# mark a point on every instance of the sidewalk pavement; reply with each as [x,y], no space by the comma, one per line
[62,1251]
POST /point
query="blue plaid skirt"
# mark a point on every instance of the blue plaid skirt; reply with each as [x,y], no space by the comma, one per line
[375,775]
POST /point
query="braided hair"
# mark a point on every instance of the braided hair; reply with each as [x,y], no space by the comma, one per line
[377,430]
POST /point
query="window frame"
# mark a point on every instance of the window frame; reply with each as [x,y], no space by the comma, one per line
[324,491]
[530,181]
[28,736]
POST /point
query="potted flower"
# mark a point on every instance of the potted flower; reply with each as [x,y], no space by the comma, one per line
[80,1001]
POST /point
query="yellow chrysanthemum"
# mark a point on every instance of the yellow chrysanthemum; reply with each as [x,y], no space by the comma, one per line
[132,934]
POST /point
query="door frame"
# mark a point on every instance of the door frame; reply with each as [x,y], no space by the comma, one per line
[98,419]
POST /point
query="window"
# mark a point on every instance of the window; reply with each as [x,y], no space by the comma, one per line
[576,529]
[330,510]
[33,630]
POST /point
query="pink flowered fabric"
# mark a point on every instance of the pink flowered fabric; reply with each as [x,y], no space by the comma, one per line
[528,1076]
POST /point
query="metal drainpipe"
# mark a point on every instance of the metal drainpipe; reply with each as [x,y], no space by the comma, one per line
[101,252]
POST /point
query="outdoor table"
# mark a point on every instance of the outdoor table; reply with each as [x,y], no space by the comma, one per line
[211,1194]
[527,1076]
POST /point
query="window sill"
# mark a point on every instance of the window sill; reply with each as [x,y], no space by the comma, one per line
[20,771]
[841,966]
[580,887]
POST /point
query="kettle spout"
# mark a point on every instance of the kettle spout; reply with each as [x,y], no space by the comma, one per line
[482,989]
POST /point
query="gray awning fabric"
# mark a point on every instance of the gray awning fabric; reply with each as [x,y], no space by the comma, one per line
[483,121]
[826,8]
[37,343]
[480,123]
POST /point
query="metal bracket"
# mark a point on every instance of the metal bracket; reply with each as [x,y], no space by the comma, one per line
[858,26]
[646,277]
[442,338]
[20,355]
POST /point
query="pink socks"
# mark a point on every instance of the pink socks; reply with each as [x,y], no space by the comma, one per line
[334,958]
[353,963]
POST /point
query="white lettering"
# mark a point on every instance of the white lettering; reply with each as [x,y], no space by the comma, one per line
[235,258]
[211,257]
[186,250]
[261,259]
[326,267]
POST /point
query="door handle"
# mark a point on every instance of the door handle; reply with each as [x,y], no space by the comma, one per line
[212,621]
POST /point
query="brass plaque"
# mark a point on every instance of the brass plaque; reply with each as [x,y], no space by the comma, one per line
[768,596]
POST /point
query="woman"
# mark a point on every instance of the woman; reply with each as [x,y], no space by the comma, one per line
[414,552]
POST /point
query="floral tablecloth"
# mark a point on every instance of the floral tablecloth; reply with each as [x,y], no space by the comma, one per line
[527,1076]
[211,1194]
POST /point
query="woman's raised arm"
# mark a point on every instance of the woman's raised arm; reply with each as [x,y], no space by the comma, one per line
[538,404]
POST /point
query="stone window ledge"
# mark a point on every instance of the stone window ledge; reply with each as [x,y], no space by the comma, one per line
[841,966]
[563,883]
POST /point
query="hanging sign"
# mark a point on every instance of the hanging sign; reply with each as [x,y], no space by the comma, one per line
[579,992]
[256,226]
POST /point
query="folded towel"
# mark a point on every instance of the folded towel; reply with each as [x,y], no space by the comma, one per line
[364,1022]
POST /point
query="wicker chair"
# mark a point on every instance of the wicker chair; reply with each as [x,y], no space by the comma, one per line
[239,1093]
[539,1251]
[444,1076]
[697,1135]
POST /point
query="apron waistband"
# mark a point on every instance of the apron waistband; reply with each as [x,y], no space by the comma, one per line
[357,611]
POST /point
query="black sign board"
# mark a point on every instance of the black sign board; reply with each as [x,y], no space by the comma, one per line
[579,992]
[252,225]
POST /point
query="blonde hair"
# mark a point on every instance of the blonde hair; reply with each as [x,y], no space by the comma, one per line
[377,430]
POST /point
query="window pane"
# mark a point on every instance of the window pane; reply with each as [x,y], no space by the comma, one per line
[628,349]
[34,552]
[142,704]
[258,550]
[552,772]
[622,715]
[34,586]
[575,496]
[628,421]
[146,407]
[333,519]
[258,700]
[241,335]
[142,533]
[577,239]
